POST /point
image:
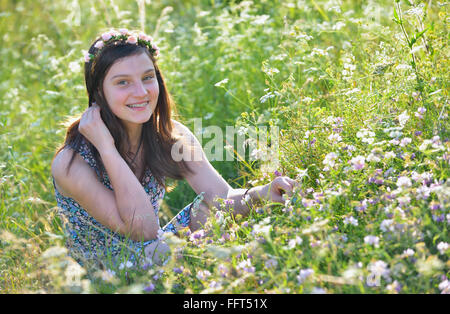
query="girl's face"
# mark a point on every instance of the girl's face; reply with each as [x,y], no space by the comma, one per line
[131,89]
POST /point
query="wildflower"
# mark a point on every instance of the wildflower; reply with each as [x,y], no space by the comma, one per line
[108,275]
[442,247]
[408,253]
[350,220]
[271,263]
[362,207]
[74,66]
[403,67]
[394,287]
[272,71]
[403,118]
[373,158]
[228,201]
[405,141]
[425,145]
[203,274]
[215,285]
[158,275]
[438,218]
[444,286]
[128,264]
[294,242]
[308,203]
[246,265]
[178,270]
[221,83]
[304,274]
[366,136]
[197,235]
[377,270]
[403,182]
[334,138]
[387,225]
[372,240]
[389,155]
[358,162]
[434,205]
[149,288]
[404,200]
[257,154]
[223,270]
[330,160]
[318,290]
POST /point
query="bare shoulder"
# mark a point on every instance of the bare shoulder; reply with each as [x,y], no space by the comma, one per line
[65,177]
[179,127]
[62,160]
[181,130]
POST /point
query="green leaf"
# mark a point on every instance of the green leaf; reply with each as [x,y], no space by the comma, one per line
[396,19]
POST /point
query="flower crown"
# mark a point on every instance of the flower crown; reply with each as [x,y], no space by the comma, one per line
[126,36]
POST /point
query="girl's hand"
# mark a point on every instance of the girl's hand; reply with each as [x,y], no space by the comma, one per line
[94,129]
[274,190]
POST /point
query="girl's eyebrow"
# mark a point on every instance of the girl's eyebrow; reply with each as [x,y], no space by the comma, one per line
[126,75]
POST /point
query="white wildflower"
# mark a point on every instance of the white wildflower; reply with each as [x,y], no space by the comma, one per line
[387,225]
[221,83]
[372,240]
[442,247]
[304,274]
[350,220]
[403,182]
[403,118]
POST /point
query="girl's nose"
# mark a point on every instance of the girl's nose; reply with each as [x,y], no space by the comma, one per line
[140,89]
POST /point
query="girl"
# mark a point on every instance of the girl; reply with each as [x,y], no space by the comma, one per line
[109,174]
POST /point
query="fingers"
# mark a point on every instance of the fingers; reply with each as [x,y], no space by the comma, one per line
[285,184]
[292,181]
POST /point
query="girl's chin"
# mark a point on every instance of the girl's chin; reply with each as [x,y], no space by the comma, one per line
[137,120]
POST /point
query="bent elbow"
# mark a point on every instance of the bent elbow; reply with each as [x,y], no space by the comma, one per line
[141,232]
[143,235]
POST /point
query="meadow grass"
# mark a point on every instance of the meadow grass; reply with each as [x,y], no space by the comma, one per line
[358,89]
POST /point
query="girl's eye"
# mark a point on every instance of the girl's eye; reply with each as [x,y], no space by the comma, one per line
[148,78]
[121,82]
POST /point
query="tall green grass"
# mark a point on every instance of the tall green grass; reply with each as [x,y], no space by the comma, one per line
[327,73]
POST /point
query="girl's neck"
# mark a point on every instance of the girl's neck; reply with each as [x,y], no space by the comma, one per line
[134,137]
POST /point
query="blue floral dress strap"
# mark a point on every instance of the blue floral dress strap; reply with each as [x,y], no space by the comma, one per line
[183,218]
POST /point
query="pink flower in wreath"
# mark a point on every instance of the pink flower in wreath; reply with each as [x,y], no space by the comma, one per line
[99,44]
[145,37]
[132,39]
[106,36]
[87,57]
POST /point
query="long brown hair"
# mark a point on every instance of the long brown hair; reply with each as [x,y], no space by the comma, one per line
[157,132]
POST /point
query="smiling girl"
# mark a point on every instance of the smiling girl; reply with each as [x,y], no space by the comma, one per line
[109,175]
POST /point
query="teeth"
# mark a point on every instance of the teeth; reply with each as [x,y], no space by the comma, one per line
[138,106]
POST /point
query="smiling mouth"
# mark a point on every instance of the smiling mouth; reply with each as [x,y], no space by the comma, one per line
[141,105]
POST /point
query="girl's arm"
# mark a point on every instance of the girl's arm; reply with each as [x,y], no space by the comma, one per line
[127,209]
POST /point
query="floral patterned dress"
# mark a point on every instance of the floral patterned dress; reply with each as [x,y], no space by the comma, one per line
[88,241]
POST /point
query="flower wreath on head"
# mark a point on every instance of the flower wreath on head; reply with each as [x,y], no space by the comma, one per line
[126,36]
